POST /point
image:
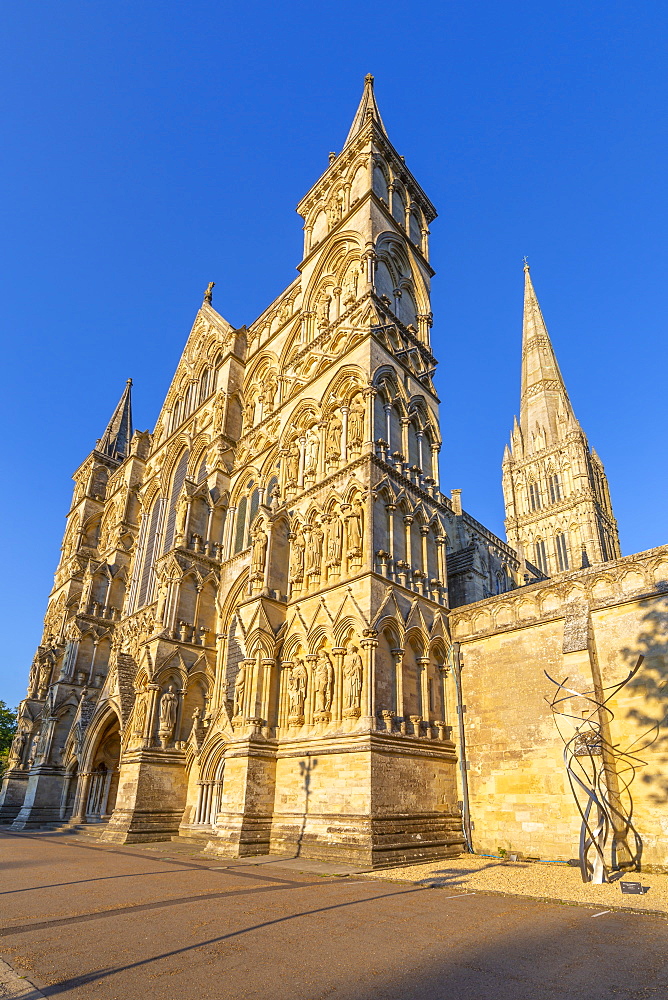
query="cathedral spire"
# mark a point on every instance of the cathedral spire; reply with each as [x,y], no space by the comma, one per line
[115,441]
[555,489]
[368,107]
[544,400]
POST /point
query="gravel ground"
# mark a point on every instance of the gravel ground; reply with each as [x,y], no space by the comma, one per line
[536,879]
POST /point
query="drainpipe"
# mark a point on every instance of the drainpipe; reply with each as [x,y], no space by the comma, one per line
[466,811]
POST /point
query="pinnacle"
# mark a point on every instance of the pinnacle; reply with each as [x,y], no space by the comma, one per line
[368,108]
[115,441]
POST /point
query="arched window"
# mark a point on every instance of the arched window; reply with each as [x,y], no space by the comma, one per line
[540,555]
[148,552]
[561,549]
[178,480]
[554,486]
[204,385]
[534,496]
[247,508]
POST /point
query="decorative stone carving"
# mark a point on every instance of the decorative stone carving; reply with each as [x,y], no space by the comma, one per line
[239,690]
[334,542]
[354,531]
[334,430]
[352,683]
[297,685]
[259,552]
[313,559]
[356,424]
[18,748]
[311,449]
[168,711]
[323,686]
[140,713]
[298,544]
[292,463]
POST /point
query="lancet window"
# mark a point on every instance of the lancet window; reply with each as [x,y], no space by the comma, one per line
[246,510]
[561,549]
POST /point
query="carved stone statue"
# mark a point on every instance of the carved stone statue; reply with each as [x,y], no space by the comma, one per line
[297,556]
[354,528]
[323,310]
[314,551]
[259,554]
[352,681]
[350,288]
[168,708]
[356,424]
[239,689]
[323,681]
[140,714]
[249,415]
[297,683]
[181,515]
[33,678]
[292,463]
[208,294]
[45,671]
[269,394]
[334,541]
[18,746]
[311,452]
[334,429]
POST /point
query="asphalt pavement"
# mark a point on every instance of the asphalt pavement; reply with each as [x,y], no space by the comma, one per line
[80,919]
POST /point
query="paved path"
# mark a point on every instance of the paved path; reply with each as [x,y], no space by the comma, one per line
[80,920]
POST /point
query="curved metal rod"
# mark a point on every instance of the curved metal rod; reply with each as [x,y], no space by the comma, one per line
[591,760]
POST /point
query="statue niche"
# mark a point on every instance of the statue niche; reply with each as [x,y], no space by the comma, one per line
[323,687]
[333,440]
[356,425]
[297,685]
[352,684]
[334,550]
[313,553]
[169,704]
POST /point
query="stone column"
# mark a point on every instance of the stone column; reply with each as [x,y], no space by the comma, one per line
[228,533]
[398,658]
[284,696]
[435,448]
[423,663]
[344,433]
[266,671]
[424,531]
[408,520]
[369,396]
[370,643]
[338,653]
[302,460]
[444,671]
[310,659]
[151,713]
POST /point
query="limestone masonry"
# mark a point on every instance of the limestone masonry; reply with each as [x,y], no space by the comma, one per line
[271,631]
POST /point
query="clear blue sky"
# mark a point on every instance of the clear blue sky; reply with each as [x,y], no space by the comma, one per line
[152,147]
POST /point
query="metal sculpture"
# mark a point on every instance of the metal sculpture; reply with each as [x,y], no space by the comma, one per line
[600,775]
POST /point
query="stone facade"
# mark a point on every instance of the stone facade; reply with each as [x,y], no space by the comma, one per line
[248,641]
[590,626]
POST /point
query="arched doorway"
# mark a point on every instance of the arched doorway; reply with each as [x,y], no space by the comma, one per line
[103,783]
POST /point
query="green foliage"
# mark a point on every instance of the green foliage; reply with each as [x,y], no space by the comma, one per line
[7,731]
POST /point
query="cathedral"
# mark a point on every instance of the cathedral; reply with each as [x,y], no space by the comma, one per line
[270,631]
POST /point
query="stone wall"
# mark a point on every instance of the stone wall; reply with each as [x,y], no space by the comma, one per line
[573,625]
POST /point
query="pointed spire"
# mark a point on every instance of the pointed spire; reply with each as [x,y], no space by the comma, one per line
[543,396]
[115,441]
[367,108]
